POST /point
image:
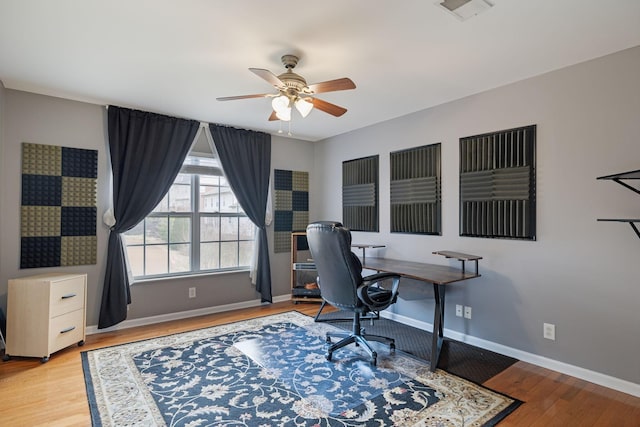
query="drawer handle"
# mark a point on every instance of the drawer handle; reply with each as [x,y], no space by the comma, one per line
[68,296]
[69,329]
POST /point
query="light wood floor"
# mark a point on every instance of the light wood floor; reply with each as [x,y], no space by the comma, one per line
[53,394]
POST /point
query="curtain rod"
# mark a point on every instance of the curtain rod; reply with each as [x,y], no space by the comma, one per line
[205,124]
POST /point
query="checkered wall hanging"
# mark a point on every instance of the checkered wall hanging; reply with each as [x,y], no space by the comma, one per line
[58,213]
[291,207]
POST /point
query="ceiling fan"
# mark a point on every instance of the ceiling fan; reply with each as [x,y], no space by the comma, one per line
[294,91]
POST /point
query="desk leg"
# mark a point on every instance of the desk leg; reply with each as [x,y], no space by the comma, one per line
[438,322]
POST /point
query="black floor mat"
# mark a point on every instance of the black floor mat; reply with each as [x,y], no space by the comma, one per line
[461,359]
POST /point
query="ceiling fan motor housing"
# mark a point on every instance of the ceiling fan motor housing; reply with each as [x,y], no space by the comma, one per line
[294,83]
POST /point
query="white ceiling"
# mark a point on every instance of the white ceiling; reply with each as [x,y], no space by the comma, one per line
[175,57]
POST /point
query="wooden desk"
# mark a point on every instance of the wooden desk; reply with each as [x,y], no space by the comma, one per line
[439,276]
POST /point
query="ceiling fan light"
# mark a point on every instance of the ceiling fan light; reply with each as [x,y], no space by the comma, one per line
[304,107]
[284,114]
[280,103]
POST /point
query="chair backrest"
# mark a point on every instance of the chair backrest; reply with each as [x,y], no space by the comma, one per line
[339,269]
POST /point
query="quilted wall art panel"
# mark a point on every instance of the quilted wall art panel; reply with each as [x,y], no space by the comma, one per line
[498,184]
[291,207]
[58,212]
[360,194]
[415,190]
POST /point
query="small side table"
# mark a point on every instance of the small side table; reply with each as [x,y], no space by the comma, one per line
[365,246]
[460,257]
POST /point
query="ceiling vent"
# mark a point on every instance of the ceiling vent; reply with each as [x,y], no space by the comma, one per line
[464,9]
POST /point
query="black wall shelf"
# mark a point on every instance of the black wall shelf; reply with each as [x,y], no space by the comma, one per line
[619,178]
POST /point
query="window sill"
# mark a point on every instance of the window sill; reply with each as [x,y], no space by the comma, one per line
[186,276]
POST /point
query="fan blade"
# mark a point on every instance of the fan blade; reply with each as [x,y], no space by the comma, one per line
[268,76]
[273,116]
[231,98]
[327,107]
[332,85]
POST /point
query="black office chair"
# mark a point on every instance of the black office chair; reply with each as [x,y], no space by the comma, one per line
[342,285]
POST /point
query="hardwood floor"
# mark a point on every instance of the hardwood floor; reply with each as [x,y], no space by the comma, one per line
[53,394]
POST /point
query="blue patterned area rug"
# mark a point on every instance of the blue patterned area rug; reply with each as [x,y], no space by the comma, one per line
[272,371]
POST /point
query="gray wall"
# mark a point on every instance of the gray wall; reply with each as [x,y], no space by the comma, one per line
[580,275]
[47,120]
[2,96]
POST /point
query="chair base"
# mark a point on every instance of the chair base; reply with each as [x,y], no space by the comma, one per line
[361,339]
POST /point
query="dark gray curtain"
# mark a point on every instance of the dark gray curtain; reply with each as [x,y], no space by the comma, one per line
[147,152]
[245,157]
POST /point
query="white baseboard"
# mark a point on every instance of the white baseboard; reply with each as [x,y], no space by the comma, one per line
[565,368]
[93,329]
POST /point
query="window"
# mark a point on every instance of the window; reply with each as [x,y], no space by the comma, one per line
[198,227]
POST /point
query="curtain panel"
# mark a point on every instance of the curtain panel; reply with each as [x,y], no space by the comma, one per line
[245,157]
[147,151]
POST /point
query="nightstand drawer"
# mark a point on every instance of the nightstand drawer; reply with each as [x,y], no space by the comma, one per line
[66,330]
[67,295]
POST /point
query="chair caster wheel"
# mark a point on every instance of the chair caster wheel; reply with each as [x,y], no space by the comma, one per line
[44,359]
[80,343]
[328,339]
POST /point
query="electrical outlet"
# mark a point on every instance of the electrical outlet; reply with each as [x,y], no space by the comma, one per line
[467,312]
[192,292]
[458,310]
[549,331]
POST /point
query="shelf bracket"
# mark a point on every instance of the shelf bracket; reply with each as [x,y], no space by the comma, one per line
[631,222]
[624,184]
[619,177]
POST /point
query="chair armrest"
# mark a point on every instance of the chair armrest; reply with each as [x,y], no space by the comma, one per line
[378,277]
[386,297]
